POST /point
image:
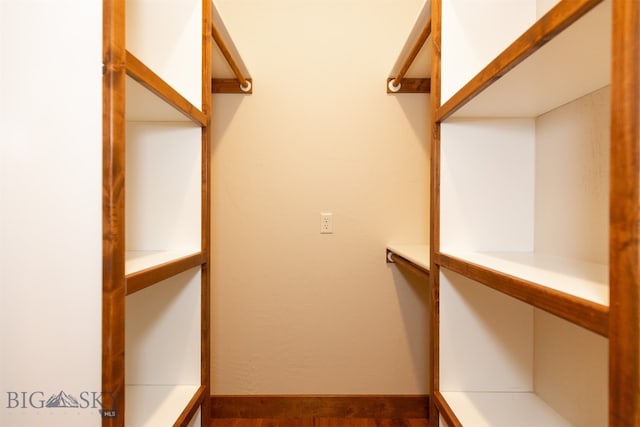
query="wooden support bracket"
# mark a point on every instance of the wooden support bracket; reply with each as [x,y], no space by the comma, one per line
[411,86]
[231,86]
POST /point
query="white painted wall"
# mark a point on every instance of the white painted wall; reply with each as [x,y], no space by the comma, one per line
[572,179]
[294,311]
[50,209]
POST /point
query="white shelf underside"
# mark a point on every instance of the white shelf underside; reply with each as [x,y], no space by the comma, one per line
[417,254]
[156,405]
[141,260]
[561,71]
[421,65]
[520,409]
[582,279]
[217,57]
[145,106]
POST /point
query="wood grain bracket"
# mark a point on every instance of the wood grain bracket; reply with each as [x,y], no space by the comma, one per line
[230,86]
[410,85]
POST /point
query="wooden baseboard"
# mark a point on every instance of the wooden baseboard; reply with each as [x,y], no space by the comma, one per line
[326,406]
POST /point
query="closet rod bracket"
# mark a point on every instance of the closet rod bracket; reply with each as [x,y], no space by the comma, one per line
[231,86]
[408,85]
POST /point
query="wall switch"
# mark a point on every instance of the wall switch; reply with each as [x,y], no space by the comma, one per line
[326,223]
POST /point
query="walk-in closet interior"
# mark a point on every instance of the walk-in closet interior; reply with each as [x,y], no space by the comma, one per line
[319,210]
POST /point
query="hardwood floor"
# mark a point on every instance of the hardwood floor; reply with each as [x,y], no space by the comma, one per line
[318,422]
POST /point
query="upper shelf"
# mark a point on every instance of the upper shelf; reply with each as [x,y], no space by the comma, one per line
[414,256]
[175,26]
[531,76]
[403,77]
[235,76]
[150,98]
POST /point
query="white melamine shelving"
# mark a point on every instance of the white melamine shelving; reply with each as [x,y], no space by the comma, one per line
[156,191]
[523,221]
[493,409]
[505,363]
[578,278]
[220,66]
[529,196]
[143,409]
[472,38]
[163,207]
[422,62]
[560,72]
[167,37]
[416,253]
[137,261]
[145,106]
[163,347]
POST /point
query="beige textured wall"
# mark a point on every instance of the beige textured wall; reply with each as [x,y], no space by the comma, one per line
[294,311]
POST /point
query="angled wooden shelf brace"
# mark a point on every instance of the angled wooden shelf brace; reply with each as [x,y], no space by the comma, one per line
[397,82]
[242,83]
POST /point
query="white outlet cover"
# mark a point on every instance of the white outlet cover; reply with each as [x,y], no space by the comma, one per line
[326,223]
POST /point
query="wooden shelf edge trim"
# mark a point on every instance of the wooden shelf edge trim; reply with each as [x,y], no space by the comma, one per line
[231,86]
[394,258]
[584,313]
[544,30]
[152,275]
[138,71]
[411,85]
[445,410]
[192,407]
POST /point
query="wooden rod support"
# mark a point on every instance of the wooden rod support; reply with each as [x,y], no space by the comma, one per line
[217,37]
[413,53]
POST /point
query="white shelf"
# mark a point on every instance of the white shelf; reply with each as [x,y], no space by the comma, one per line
[156,405]
[565,69]
[495,350]
[219,65]
[163,187]
[574,277]
[176,26]
[141,260]
[493,409]
[524,193]
[417,254]
[162,333]
[421,65]
[529,197]
[145,106]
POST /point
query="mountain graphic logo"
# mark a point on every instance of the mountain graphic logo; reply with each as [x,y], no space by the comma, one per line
[62,400]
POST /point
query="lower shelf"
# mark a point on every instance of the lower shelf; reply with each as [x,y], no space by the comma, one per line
[156,405]
[150,267]
[502,409]
[141,260]
[571,289]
